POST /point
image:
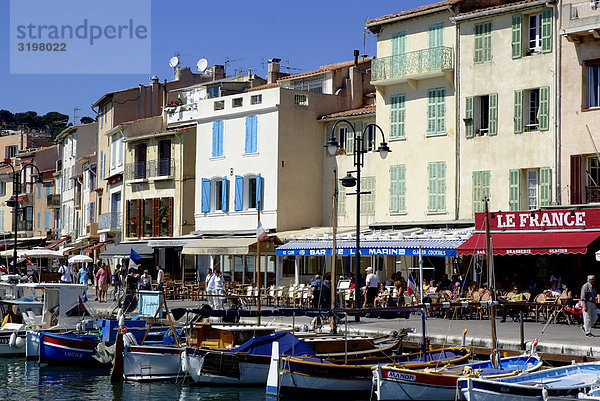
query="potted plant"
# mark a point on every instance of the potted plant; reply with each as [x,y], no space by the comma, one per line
[163,213]
[147,220]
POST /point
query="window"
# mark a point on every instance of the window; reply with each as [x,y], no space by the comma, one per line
[341,199]
[220,192]
[213,91]
[10,151]
[251,134]
[256,99]
[531,108]
[481,115]
[437,187]
[308,84]
[237,102]
[217,139]
[369,136]
[398,54]
[483,42]
[537,186]
[139,171]
[593,86]
[219,105]
[301,100]
[481,190]
[2,188]
[164,158]
[436,111]
[398,189]
[537,31]
[367,201]
[436,43]
[2,219]
[397,116]
[248,191]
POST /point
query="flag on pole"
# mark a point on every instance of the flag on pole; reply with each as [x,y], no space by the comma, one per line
[133,258]
[412,286]
[261,234]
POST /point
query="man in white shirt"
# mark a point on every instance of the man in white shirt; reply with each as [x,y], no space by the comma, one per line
[210,285]
[65,272]
[371,283]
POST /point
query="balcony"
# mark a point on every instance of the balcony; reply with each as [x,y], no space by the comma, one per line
[109,222]
[579,19]
[53,201]
[413,66]
[180,115]
[91,230]
[161,168]
[136,171]
[25,225]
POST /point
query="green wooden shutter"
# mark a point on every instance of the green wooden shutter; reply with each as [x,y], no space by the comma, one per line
[394,206]
[469,117]
[493,114]
[431,109]
[402,188]
[517,48]
[441,203]
[478,56]
[544,108]
[398,54]
[518,112]
[487,42]
[432,204]
[341,203]
[441,110]
[547,30]
[476,191]
[545,181]
[367,206]
[486,184]
[350,140]
[397,116]
[514,186]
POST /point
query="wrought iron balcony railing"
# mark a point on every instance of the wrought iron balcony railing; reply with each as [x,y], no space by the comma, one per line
[53,201]
[161,168]
[109,221]
[437,59]
[136,171]
[25,225]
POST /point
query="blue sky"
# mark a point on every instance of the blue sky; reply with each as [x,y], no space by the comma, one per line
[304,35]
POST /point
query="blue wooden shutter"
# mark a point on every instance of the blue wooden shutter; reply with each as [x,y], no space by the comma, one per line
[398,54]
[259,191]
[38,220]
[205,195]
[254,134]
[46,220]
[217,139]
[239,193]
[250,134]
[47,190]
[101,164]
[225,195]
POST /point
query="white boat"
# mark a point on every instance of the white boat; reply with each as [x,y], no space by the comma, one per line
[572,381]
[42,306]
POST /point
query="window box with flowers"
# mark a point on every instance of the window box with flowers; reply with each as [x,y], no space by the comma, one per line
[133,226]
[173,104]
[147,226]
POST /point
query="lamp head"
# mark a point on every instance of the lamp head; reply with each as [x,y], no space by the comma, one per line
[383,150]
[332,146]
[36,178]
[348,181]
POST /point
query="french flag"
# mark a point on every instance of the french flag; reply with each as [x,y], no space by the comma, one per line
[412,286]
[261,234]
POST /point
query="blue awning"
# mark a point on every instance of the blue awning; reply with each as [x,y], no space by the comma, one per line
[400,247]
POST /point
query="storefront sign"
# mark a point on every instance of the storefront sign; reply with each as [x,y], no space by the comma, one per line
[541,220]
[368,252]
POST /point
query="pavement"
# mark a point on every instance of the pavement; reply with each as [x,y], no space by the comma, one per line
[555,338]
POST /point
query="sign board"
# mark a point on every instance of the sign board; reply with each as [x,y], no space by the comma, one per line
[150,302]
[368,252]
[563,219]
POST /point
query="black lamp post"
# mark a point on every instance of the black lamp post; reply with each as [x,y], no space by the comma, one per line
[350,181]
[14,202]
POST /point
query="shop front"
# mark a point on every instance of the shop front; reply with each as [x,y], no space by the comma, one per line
[530,247]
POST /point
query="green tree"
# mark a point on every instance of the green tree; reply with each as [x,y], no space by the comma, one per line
[86,120]
[7,119]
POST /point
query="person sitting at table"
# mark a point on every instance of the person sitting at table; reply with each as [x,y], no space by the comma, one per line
[456,292]
[553,291]
[382,296]
[472,289]
[566,296]
[433,288]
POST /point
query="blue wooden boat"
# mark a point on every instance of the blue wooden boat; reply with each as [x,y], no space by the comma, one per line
[68,349]
[572,381]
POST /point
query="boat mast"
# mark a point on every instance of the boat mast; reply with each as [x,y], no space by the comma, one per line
[491,284]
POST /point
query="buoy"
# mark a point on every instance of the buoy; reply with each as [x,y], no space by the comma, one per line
[184,366]
[20,342]
[13,340]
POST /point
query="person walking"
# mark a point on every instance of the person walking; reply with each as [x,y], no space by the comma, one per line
[160,278]
[65,273]
[371,283]
[210,286]
[117,283]
[83,276]
[131,285]
[588,301]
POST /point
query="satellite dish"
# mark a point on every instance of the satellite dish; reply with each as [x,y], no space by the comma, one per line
[202,64]
[174,61]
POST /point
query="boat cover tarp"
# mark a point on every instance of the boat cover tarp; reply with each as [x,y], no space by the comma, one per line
[289,344]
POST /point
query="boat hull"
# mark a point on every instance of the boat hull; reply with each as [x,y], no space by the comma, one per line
[143,363]
[10,348]
[68,349]
[224,368]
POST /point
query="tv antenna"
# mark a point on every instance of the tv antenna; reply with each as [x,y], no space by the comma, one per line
[75,115]
[287,67]
[229,60]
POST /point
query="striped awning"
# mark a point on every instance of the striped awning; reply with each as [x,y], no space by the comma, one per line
[400,247]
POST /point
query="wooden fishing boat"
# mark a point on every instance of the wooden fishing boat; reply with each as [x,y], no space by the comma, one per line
[571,381]
[309,375]
[395,383]
[68,349]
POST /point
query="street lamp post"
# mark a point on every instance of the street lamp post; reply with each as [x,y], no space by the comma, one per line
[350,181]
[14,203]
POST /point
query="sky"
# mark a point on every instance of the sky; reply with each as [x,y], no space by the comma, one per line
[303,34]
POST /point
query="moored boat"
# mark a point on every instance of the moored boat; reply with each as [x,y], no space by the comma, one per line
[570,381]
[68,349]
[396,383]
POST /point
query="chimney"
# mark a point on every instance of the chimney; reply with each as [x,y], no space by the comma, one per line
[216,72]
[355,91]
[356,53]
[183,74]
[273,70]
[154,79]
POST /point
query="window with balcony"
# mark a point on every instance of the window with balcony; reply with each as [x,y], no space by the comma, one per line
[481,115]
[139,168]
[531,110]
[593,86]
[398,54]
[164,157]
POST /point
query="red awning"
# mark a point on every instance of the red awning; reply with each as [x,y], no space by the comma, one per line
[99,244]
[537,243]
[52,245]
